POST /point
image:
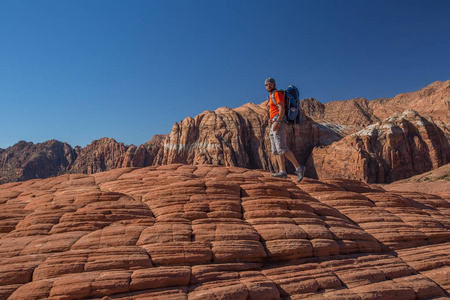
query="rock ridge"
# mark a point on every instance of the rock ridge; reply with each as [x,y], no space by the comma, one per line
[333,140]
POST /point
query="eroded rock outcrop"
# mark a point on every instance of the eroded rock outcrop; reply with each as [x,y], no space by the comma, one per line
[207,232]
[107,154]
[433,100]
[101,155]
[404,145]
[399,147]
[354,113]
[239,137]
[25,161]
[230,137]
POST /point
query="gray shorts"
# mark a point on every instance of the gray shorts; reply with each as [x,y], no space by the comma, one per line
[278,139]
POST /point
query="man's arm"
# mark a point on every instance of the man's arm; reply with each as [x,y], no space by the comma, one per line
[281,111]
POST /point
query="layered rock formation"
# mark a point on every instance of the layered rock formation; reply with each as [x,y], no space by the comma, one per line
[236,137]
[374,149]
[355,113]
[107,154]
[433,182]
[433,100]
[205,232]
[370,151]
[399,147]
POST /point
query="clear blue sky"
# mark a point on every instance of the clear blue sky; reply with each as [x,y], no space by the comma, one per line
[80,70]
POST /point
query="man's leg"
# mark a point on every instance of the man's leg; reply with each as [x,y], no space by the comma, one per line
[299,170]
[281,163]
[273,144]
[281,167]
[279,147]
[282,144]
[290,156]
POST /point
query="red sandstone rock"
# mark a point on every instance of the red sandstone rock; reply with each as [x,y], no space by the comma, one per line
[232,137]
[432,100]
[239,137]
[399,147]
[435,182]
[209,232]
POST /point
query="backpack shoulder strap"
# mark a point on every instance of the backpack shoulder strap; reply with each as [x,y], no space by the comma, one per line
[272,97]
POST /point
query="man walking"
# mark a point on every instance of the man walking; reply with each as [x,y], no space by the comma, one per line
[278,132]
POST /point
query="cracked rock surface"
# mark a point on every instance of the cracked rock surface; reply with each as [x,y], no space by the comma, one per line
[208,232]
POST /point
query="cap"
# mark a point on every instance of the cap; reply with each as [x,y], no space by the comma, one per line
[270,79]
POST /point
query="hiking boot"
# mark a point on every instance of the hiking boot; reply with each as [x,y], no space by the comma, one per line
[279,175]
[300,173]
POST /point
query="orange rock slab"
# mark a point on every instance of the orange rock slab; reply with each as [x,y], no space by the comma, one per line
[209,232]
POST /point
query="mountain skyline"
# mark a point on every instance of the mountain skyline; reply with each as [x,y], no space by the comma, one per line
[77,71]
[375,141]
[158,136]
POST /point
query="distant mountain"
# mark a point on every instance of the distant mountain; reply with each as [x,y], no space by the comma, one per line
[381,140]
[25,161]
[433,101]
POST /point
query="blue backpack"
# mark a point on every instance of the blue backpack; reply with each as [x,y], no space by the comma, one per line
[292,105]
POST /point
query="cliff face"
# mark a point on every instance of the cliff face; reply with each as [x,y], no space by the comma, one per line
[399,147]
[101,155]
[230,137]
[239,137]
[348,139]
[362,143]
[107,154]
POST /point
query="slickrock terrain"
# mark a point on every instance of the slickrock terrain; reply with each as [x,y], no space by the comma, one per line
[380,141]
[434,182]
[209,232]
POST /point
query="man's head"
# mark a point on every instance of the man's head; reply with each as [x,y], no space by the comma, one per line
[270,84]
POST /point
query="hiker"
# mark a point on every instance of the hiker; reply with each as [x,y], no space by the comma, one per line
[278,132]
